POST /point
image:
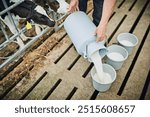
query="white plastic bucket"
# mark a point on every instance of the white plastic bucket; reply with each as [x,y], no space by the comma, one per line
[128,41]
[103,87]
[116,56]
[81,30]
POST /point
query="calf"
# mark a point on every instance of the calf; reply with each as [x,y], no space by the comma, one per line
[28,10]
[53,7]
[53,4]
[59,6]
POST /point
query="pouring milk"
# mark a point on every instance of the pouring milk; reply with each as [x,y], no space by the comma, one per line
[100,76]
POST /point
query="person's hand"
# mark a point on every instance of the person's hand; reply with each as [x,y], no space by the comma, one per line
[101,33]
[73,6]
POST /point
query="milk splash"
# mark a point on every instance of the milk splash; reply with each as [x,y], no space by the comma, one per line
[100,76]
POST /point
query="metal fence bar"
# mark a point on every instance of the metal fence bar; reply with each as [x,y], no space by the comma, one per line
[13,37]
[21,50]
[9,15]
[23,47]
[11,7]
[3,30]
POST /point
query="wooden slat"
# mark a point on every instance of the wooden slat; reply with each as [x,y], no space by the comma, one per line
[147,97]
[120,3]
[69,81]
[62,91]
[67,58]
[43,87]
[22,87]
[81,66]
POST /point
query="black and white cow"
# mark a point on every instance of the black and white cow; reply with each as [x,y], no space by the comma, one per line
[27,10]
[59,6]
[53,4]
[32,10]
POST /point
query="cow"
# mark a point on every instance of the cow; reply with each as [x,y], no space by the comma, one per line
[35,10]
[53,7]
[59,6]
[27,10]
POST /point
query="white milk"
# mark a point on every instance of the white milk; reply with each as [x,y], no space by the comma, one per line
[105,80]
[126,43]
[115,56]
[100,76]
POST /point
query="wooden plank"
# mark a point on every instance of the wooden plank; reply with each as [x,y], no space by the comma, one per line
[69,81]
[59,49]
[145,89]
[22,87]
[43,87]
[147,97]
[81,66]
[111,94]
[62,91]
[120,3]
[67,58]
[84,86]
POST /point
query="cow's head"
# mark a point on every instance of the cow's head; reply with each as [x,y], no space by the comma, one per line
[42,19]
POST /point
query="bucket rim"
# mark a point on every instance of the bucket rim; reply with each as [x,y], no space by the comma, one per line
[118,39]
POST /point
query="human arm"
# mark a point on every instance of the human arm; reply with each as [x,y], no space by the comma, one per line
[108,7]
[74,6]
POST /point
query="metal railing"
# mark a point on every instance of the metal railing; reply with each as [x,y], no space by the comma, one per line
[16,37]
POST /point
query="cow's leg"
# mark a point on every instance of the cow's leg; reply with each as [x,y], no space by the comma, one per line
[12,28]
[38,29]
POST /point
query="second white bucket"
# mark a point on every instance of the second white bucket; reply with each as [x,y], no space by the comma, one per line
[100,86]
[116,56]
[81,31]
[128,41]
